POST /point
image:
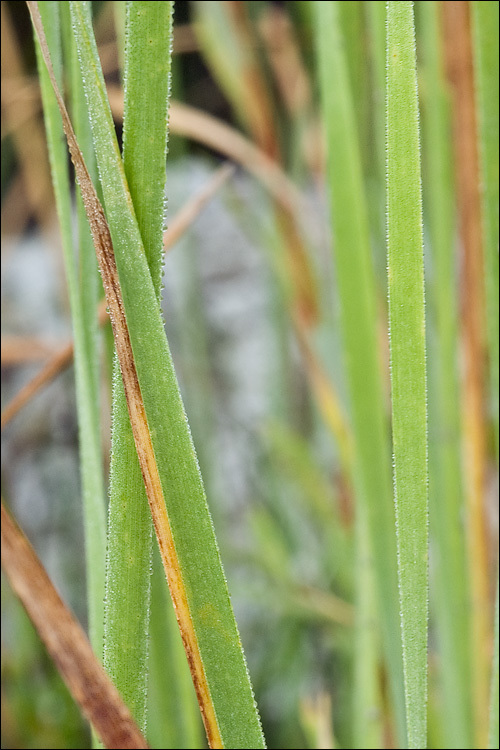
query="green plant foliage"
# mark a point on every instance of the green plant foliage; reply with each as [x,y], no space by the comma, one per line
[147,78]
[326,402]
[445,471]
[84,315]
[192,531]
[405,270]
[356,285]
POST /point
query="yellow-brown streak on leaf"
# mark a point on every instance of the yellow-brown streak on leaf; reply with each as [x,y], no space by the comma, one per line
[66,642]
[140,428]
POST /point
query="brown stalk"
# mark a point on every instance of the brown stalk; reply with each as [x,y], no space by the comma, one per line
[19,349]
[459,59]
[190,210]
[179,224]
[54,366]
[138,420]
[66,642]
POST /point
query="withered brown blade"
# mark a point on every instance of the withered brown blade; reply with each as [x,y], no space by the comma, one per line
[66,642]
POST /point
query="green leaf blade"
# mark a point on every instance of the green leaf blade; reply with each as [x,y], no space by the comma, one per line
[449,586]
[408,358]
[84,326]
[147,71]
[358,311]
[192,531]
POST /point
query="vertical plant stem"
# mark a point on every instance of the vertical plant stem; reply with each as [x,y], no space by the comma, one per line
[356,288]
[445,472]
[408,367]
[90,283]
[147,74]
[84,341]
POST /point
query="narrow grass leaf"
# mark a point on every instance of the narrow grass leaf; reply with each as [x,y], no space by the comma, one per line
[408,366]
[356,286]
[353,27]
[128,579]
[87,392]
[168,462]
[446,498]
[90,281]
